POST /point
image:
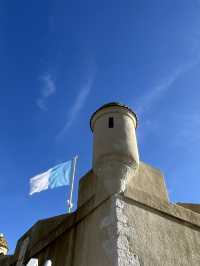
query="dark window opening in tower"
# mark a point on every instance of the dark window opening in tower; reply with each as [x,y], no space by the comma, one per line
[110,122]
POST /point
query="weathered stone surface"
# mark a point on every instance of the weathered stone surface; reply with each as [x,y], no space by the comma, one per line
[147,179]
[160,239]
[60,251]
[150,180]
[168,209]
[122,231]
[86,187]
[41,231]
[96,237]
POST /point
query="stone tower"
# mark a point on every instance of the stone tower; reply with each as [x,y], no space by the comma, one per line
[115,151]
[123,218]
[3,245]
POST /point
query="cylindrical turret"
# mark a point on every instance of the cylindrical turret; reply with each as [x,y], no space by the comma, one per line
[3,245]
[115,150]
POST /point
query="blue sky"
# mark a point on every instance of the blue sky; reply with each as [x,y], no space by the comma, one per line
[61,60]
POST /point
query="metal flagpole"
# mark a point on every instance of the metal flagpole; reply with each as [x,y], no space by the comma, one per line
[72,185]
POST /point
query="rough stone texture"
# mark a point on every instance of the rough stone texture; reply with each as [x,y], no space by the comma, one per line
[103,237]
[126,256]
[159,239]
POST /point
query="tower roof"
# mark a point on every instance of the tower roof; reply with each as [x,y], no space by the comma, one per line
[113,104]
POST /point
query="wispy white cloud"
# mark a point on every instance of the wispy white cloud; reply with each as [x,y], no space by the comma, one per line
[149,100]
[77,105]
[47,90]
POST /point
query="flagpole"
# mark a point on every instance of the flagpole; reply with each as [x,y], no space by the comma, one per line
[72,184]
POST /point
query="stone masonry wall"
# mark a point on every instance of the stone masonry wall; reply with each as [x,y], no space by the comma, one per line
[155,239]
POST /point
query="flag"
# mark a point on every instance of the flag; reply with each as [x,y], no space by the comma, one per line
[60,175]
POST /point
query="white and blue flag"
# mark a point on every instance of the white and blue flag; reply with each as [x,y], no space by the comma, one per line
[57,176]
